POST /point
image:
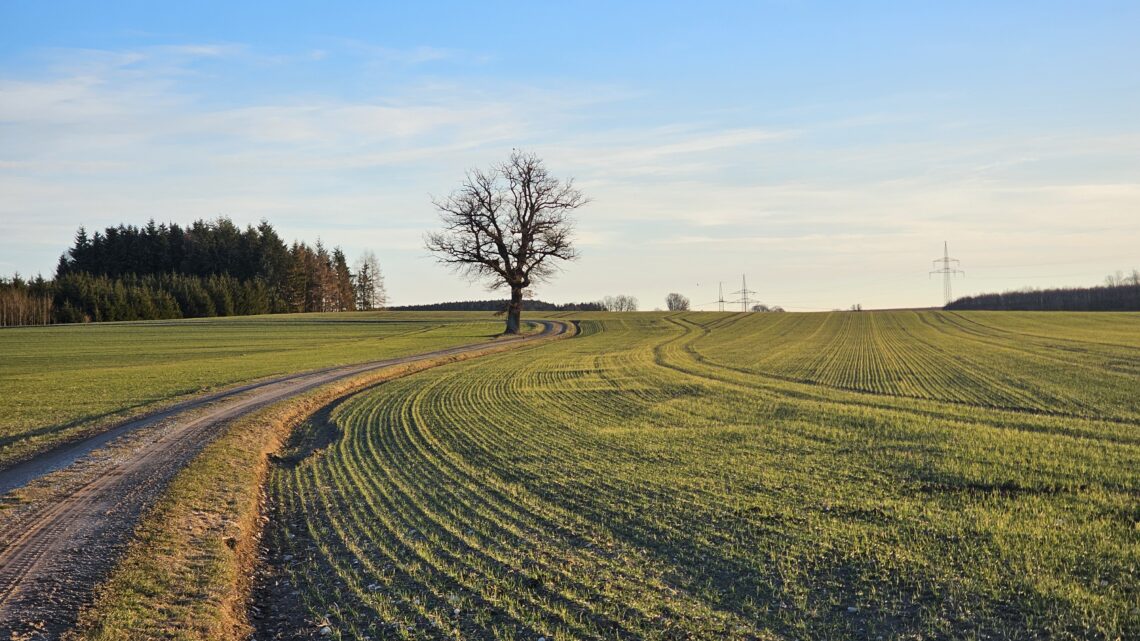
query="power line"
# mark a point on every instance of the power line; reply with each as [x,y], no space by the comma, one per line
[948,269]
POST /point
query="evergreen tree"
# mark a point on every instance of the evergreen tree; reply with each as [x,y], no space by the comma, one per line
[345,292]
[211,267]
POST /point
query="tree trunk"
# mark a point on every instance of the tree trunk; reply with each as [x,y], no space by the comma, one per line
[514,310]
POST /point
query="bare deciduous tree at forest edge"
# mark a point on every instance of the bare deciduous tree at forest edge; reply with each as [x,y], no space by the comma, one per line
[369,283]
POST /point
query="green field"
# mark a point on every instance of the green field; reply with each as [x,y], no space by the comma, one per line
[61,381]
[740,476]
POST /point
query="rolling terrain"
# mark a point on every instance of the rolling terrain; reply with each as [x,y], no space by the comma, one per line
[751,476]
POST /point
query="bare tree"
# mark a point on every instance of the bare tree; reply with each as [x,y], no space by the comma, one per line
[620,303]
[369,283]
[677,303]
[1120,279]
[505,226]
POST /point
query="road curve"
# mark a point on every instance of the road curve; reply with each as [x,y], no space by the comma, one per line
[78,504]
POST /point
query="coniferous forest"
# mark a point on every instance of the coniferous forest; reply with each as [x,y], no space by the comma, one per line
[209,268]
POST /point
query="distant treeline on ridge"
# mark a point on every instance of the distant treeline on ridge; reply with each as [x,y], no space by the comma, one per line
[499,306]
[1123,295]
[209,268]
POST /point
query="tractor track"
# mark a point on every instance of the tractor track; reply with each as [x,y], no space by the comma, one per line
[66,515]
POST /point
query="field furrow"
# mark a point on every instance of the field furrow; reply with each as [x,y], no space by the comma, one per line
[715,476]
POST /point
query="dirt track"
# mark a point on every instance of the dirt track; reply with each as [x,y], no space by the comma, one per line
[69,512]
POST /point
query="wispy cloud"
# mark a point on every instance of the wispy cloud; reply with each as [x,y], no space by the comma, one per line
[98,137]
[409,56]
[678,150]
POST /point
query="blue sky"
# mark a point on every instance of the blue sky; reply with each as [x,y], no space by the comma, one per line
[825,149]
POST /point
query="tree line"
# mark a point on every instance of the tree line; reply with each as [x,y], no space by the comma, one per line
[209,268]
[1119,294]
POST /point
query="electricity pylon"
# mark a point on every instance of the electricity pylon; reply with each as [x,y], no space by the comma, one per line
[948,269]
[744,292]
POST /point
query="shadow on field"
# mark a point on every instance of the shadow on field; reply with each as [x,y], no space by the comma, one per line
[309,439]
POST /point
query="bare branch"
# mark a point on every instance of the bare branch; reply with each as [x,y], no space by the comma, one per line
[507,223]
[507,226]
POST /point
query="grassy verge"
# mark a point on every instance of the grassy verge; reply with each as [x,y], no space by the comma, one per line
[186,573]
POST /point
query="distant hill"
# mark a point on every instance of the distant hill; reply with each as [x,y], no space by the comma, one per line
[1124,297]
[500,305]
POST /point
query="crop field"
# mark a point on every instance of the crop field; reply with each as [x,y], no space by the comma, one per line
[915,475]
[59,381]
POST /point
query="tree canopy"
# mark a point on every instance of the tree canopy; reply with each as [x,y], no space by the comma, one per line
[507,227]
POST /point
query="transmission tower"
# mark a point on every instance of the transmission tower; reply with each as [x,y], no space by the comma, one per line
[720,298]
[744,292]
[948,269]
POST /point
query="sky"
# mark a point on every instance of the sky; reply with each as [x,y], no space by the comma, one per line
[825,150]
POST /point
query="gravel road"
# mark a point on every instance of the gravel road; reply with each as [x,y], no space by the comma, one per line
[66,515]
